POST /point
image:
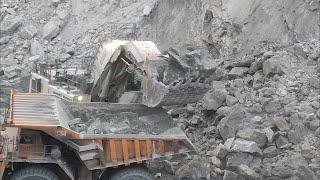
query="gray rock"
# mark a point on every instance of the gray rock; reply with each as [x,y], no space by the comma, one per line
[297,133]
[4,40]
[63,14]
[214,99]
[314,124]
[229,175]
[230,100]
[234,160]
[147,11]
[193,170]
[34,58]
[238,72]
[270,152]
[304,173]
[223,111]
[56,2]
[282,171]
[314,82]
[28,32]
[168,166]
[215,161]
[218,85]
[52,28]
[273,106]
[230,124]
[10,25]
[273,66]
[247,172]
[36,48]
[254,135]
[281,124]
[74,121]
[269,133]
[241,145]
[282,142]
[220,151]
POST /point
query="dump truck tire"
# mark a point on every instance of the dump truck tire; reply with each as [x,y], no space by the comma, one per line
[132,173]
[34,173]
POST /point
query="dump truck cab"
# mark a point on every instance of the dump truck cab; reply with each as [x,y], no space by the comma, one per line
[43,137]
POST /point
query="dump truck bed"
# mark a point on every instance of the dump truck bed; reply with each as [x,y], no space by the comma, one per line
[102,134]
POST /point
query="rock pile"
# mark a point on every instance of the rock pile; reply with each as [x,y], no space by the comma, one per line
[257,123]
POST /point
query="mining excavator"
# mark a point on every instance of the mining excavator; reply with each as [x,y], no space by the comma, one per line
[102,123]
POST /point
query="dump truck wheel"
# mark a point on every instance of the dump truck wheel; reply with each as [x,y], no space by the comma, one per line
[34,173]
[132,173]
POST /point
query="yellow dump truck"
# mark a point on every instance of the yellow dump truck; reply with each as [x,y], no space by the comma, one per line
[46,137]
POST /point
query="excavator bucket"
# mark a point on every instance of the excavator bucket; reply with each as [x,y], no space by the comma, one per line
[136,72]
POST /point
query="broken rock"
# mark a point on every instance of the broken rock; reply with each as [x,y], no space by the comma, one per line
[28,32]
[247,172]
[220,151]
[238,72]
[241,145]
[229,175]
[52,28]
[36,48]
[10,25]
[230,124]
[254,135]
[193,170]
[214,99]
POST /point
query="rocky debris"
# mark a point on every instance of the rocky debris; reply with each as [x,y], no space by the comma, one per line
[241,145]
[4,40]
[230,100]
[193,170]
[230,124]
[247,172]
[214,99]
[10,25]
[282,171]
[36,48]
[220,151]
[229,175]
[52,28]
[254,135]
[265,75]
[28,32]
[238,72]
